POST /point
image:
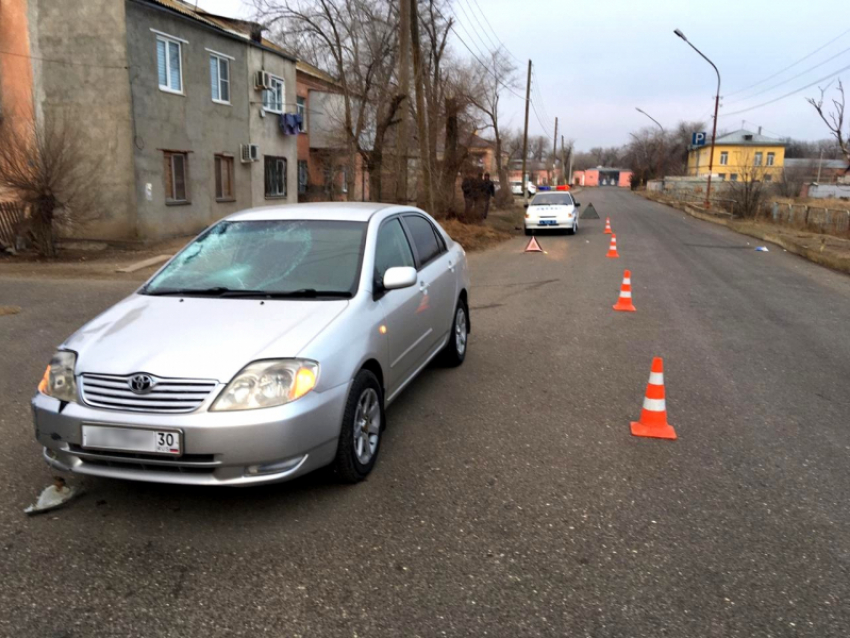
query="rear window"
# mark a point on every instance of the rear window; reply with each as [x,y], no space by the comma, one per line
[552,199]
[424,237]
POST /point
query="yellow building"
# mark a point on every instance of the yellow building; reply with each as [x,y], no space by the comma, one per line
[742,155]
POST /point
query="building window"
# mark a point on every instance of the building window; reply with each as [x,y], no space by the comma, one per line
[771,157]
[224,178]
[768,177]
[176,177]
[343,170]
[302,176]
[724,158]
[758,159]
[722,176]
[734,177]
[273,96]
[169,64]
[275,176]
[302,111]
[220,79]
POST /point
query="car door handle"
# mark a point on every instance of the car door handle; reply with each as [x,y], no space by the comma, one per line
[451,266]
[423,287]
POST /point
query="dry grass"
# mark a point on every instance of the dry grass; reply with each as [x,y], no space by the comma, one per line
[9,310]
[474,236]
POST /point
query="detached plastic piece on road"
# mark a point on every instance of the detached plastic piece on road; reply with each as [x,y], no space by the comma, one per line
[762,249]
[624,303]
[653,417]
[533,246]
[608,230]
[612,249]
[52,497]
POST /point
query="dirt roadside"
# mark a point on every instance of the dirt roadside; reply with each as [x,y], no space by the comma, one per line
[825,250]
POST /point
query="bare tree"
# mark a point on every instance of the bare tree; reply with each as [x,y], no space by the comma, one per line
[357,42]
[834,120]
[487,99]
[749,190]
[46,167]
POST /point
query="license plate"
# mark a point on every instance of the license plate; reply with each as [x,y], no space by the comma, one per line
[104,437]
[548,222]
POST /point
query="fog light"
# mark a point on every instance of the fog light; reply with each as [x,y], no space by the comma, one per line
[277,467]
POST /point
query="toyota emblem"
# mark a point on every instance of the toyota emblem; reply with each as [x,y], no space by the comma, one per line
[141,383]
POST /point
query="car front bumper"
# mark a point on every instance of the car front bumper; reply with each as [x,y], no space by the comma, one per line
[246,447]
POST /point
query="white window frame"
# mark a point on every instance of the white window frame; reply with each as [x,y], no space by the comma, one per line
[301,109]
[724,158]
[758,158]
[168,39]
[771,158]
[220,58]
[275,80]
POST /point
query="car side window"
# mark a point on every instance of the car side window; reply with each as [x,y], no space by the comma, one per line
[393,249]
[424,238]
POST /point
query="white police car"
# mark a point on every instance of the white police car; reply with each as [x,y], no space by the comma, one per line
[552,210]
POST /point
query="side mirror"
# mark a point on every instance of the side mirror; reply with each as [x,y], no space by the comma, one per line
[399,277]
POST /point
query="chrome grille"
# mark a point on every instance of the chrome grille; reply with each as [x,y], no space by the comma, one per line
[166,395]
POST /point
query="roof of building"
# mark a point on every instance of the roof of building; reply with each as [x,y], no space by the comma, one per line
[815,162]
[233,27]
[307,68]
[743,137]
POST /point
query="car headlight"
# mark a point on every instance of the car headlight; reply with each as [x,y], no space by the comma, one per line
[266,384]
[58,380]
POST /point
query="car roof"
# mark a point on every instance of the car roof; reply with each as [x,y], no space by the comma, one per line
[331,211]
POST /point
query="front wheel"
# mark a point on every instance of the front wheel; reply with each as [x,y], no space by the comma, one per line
[574,229]
[455,351]
[362,424]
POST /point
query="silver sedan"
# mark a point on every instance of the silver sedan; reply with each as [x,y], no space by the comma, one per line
[267,348]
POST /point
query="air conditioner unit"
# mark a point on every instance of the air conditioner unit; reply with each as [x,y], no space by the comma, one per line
[264,80]
[249,153]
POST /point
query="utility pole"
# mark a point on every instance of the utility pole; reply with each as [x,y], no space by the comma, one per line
[820,164]
[420,106]
[401,194]
[523,185]
[555,153]
[564,160]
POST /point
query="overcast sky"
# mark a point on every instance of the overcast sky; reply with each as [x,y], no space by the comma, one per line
[596,61]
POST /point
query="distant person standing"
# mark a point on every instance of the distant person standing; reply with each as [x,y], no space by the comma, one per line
[466,187]
[488,191]
[477,194]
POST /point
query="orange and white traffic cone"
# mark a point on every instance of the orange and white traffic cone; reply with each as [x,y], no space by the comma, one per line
[624,303]
[653,417]
[608,230]
[612,249]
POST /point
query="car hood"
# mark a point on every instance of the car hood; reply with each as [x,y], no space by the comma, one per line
[197,338]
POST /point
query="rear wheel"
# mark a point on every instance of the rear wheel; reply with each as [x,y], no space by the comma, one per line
[362,424]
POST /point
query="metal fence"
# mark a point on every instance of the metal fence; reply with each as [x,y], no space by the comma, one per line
[11,218]
[817,219]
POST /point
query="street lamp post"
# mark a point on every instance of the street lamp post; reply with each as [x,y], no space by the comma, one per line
[679,33]
[661,152]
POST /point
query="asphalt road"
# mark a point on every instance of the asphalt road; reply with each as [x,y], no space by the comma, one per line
[510,498]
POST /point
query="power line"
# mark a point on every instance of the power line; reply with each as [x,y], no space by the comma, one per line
[781,71]
[794,77]
[67,62]
[472,11]
[484,48]
[782,97]
[545,130]
[495,35]
[486,68]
